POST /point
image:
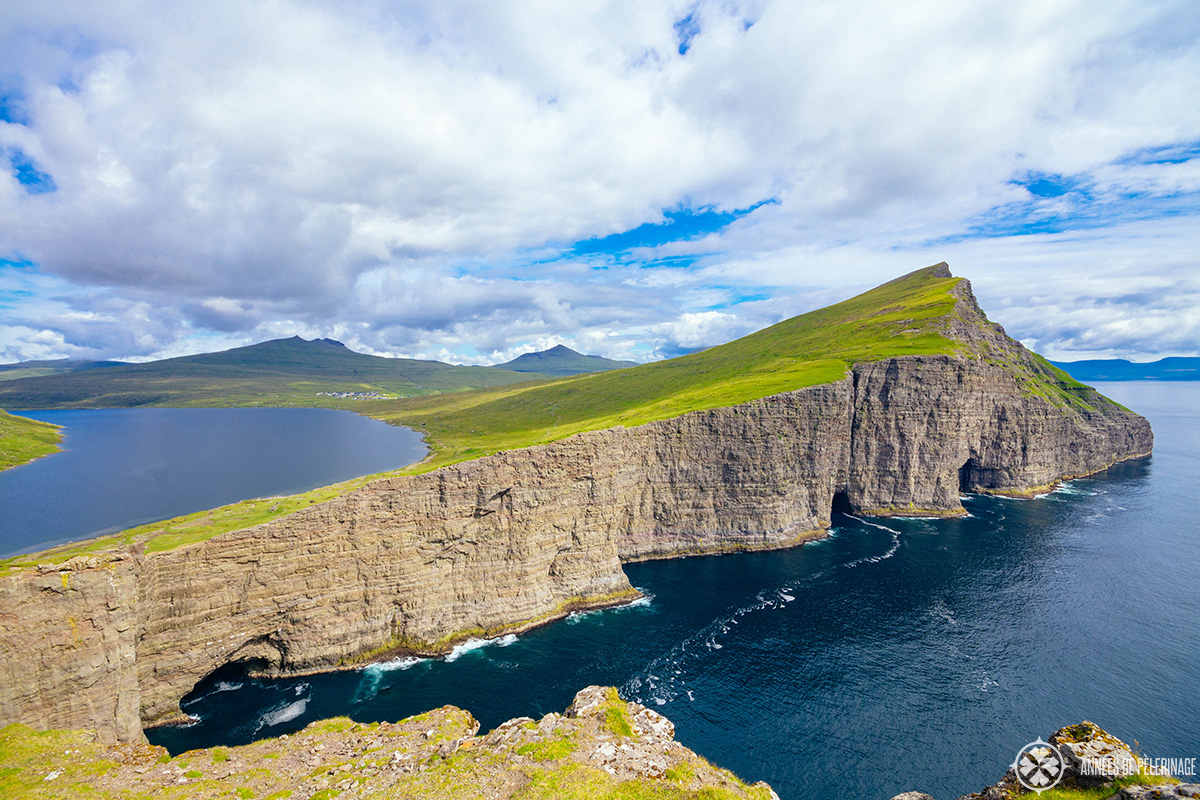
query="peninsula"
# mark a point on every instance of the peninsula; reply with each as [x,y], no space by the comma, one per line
[891,403]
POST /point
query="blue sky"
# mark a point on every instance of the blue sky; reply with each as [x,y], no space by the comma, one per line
[636,179]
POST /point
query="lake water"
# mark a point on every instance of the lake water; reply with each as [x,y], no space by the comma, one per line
[126,467]
[896,655]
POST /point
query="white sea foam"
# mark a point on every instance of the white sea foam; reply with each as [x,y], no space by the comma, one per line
[459,650]
[649,687]
[642,602]
[876,559]
[223,686]
[282,713]
[404,662]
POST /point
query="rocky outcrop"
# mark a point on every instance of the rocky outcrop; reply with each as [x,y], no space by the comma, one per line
[601,747]
[1083,758]
[522,537]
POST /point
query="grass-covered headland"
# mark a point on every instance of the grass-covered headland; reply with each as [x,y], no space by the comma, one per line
[911,315]
[23,439]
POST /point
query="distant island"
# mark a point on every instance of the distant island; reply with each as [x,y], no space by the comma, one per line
[1118,369]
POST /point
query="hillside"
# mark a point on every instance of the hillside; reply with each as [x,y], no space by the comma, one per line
[23,440]
[912,315]
[746,446]
[1118,369]
[562,362]
[279,372]
[56,366]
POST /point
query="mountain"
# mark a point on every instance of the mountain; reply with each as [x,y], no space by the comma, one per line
[57,366]
[891,403]
[1118,369]
[561,362]
[291,371]
[917,314]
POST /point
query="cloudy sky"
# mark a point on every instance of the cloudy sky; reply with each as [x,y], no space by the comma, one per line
[471,180]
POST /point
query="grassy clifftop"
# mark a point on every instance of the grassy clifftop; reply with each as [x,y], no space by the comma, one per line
[23,439]
[917,314]
[908,316]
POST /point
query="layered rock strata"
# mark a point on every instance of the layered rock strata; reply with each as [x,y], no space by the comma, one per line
[523,537]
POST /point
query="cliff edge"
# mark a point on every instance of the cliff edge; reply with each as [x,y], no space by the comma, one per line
[893,402]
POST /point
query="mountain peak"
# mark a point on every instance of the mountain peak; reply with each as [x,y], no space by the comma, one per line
[561,361]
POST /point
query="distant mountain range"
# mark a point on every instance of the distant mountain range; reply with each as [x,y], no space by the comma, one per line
[57,366]
[291,371]
[1118,369]
[562,361]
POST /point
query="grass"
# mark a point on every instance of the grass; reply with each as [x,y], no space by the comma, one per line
[22,439]
[277,373]
[911,315]
[1103,792]
[908,316]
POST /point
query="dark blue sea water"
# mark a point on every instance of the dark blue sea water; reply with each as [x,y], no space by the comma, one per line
[896,655]
[125,467]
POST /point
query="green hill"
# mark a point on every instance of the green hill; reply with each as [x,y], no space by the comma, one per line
[907,316]
[279,372]
[561,362]
[23,439]
[57,366]
[912,315]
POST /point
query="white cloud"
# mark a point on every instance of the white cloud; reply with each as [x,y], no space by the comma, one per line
[404,178]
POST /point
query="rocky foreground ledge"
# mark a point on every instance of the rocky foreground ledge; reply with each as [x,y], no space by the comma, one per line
[1094,765]
[602,747]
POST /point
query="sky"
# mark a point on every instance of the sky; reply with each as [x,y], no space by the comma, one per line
[467,181]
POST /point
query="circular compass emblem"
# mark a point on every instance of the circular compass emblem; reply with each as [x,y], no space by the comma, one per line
[1039,766]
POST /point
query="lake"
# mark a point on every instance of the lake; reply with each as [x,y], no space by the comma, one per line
[125,467]
[895,655]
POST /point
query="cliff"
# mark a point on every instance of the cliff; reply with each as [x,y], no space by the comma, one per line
[524,536]
[601,748]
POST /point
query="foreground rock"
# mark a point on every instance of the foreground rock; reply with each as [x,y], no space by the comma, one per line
[113,641]
[602,747]
[1085,762]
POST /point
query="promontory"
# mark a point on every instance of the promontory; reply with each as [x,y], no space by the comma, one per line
[894,402]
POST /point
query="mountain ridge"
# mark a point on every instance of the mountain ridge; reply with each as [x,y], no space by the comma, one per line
[561,361]
[287,371]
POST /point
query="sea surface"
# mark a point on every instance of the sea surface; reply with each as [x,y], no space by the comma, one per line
[895,655]
[125,467]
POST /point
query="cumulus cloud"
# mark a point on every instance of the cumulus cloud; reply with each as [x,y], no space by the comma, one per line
[412,179]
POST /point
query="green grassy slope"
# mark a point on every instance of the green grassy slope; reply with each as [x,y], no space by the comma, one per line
[281,372]
[561,362]
[907,316]
[23,439]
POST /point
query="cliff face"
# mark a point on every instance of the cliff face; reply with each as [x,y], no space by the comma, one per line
[525,536]
[68,647]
